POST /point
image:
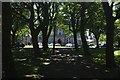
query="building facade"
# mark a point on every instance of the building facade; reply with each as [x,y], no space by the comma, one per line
[61,37]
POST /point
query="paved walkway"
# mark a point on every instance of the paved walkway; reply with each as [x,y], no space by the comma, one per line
[67,65]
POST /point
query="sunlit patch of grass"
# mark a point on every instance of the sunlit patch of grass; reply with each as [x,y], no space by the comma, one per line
[30,46]
[44,53]
[36,68]
[98,61]
[24,59]
[98,56]
[117,52]
[45,63]
[40,58]
[27,46]
[117,57]
[32,75]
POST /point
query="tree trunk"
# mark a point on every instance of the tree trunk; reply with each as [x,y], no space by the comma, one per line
[97,41]
[54,40]
[109,48]
[84,44]
[50,30]
[118,41]
[34,32]
[110,62]
[8,65]
[35,42]
[13,39]
[75,40]
[82,30]
[45,40]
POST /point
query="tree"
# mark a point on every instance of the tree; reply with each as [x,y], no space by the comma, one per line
[117,33]
[28,13]
[21,33]
[16,26]
[8,65]
[50,11]
[63,19]
[71,18]
[14,29]
[94,16]
[77,17]
[110,20]
[82,29]
[74,22]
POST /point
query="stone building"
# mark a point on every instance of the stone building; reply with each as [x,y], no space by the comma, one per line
[63,38]
[27,39]
[60,36]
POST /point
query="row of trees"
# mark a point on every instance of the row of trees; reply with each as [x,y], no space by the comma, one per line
[43,16]
[74,15]
[38,17]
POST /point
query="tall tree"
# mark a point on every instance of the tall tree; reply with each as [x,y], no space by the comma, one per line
[50,11]
[77,17]
[8,65]
[16,26]
[28,13]
[94,16]
[117,33]
[71,18]
[74,23]
[110,20]
[14,30]
[82,29]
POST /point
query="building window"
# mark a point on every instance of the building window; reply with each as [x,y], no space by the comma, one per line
[68,40]
[59,32]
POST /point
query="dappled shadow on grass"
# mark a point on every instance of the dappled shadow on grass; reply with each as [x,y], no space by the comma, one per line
[78,68]
[65,64]
[98,57]
[26,64]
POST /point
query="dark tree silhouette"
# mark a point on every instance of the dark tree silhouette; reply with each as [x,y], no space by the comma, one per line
[8,65]
[110,20]
[74,24]
[48,22]
[35,29]
[82,30]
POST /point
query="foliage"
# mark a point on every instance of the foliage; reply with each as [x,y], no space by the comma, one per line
[102,37]
[62,20]
[96,19]
[117,31]
[21,33]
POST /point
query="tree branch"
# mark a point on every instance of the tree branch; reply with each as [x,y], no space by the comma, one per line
[20,15]
[28,6]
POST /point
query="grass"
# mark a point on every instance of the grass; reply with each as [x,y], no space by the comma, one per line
[30,46]
[27,65]
[98,56]
[117,52]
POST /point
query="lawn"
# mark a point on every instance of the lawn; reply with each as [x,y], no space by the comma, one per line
[30,46]
[29,66]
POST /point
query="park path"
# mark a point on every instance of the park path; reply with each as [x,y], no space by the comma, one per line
[63,64]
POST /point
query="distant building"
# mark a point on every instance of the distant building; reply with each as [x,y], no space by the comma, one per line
[61,37]
[27,39]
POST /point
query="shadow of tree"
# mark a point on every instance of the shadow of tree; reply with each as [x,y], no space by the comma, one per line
[62,64]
